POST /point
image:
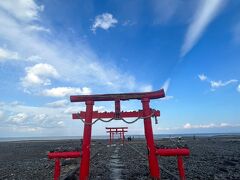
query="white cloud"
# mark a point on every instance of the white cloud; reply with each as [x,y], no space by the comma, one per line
[104,21]
[66,91]
[73,108]
[6,54]
[38,28]
[187,126]
[166,98]
[60,123]
[24,117]
[146,88]
[16,103]
[166,85]
[23,10]
[163,129]
[1,115]
[198,127]
[205,13]
[59,103]
[29,129]
[217,84]
[224,125]
[238,88]
[39,74]
[24,129]
[202,77]
[206,126]
[18,118]
[27,118]
[34,58]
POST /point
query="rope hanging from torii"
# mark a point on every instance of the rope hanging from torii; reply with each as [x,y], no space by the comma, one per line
[153,114]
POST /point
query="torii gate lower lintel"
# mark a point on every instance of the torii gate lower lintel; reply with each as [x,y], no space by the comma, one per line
[146,113]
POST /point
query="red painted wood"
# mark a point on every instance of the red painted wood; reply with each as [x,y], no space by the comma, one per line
[118,131]
[114,128]
[69,154]
[85,161]
[181,168]
[152,158]
[122,114]
[57,169]
[112,97]
[173,152]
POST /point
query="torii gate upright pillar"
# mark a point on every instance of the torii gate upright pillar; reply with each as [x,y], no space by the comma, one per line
[152,158]
[84,167]
[110,137]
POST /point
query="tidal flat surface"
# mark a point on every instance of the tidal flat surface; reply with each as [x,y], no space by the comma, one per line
[211,158]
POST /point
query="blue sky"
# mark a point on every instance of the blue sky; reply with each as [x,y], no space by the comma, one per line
[50,50]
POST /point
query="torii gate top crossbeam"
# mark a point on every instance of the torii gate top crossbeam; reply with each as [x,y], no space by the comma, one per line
[116,131]
[113,97]
[116,127]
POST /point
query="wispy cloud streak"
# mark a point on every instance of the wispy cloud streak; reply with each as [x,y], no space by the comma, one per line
[166,85]
[7,54]
[205,13]
[238,88]
[216,84]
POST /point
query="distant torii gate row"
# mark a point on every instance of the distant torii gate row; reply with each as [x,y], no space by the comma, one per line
[120,130]
[145,114]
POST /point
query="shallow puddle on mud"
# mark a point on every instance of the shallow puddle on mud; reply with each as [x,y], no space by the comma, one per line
[116,166]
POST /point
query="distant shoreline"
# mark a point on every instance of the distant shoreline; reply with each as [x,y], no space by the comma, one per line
[156,136]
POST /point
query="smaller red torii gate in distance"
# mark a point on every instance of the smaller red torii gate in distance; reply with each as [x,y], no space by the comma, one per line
[120,130]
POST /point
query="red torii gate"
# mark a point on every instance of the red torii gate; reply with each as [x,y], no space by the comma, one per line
[120,130]
[145,114]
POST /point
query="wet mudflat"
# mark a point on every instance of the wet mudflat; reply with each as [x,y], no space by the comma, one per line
[211,158]
[120,162]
